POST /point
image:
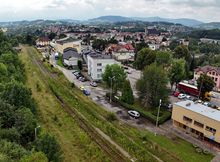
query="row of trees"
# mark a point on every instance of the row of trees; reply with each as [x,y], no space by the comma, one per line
[18,114]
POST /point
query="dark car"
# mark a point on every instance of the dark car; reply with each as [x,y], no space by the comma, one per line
[86,92]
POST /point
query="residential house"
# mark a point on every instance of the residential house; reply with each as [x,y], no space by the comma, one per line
[122,52]
[197,120]
[70,57]
[213,72]
[43,41]
[97,63]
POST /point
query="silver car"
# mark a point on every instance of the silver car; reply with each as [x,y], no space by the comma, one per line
[134,113]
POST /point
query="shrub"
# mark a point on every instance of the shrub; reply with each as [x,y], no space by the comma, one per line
[111,117]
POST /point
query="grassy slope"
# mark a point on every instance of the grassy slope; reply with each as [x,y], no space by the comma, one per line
[75,143]
[165,148]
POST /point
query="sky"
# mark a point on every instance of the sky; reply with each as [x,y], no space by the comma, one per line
[203,10]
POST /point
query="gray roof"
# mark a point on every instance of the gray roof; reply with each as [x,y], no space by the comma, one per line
[200,109]
[101,56]
[70,53]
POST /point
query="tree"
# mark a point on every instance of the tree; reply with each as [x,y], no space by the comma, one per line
[114,76]
[144,57]
[25,123]
[52,35]
[205,84]
[163,58]
[48,145]
[79,64]
[6,115]
[99,44]
[18,95]
[36,156]
[177,71]
[127,93]
[152,86]
[182,52]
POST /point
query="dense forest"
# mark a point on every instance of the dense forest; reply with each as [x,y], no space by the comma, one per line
[211,34]
[18,113]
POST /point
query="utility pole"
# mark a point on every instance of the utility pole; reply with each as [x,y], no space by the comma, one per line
[111,78]
[35,131]
[158,113]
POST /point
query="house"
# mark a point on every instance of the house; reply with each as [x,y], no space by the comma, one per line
[69,42]
[97,63]
[70,57]
[122,52]
[154,46]
[43,41]
[213,72]
[198,120]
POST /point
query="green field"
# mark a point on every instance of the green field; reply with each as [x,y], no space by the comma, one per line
[140,144]
[75,143]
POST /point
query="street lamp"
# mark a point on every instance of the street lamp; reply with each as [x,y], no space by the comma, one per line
[35,131]
[158,113]
[111,78]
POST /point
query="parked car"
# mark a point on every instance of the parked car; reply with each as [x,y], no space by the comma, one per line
[82,88]
[181,96]
[82,79]
[206,103]
[134,113]
[76,73]
[176,94]
[86,92]
[93,84]
[188,97]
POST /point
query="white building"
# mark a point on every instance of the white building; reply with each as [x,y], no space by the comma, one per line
[97,64]
[154,46]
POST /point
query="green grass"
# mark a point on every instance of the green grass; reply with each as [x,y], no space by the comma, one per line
[60,61]
[139,143]
[75,143]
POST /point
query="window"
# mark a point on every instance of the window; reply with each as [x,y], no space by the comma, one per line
[198,124]
[99,70]
[99,76]
[216,79]
[210,129]
[213,73]
[187,119]
[99,64]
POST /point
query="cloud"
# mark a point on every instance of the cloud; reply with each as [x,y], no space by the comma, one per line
[206,10]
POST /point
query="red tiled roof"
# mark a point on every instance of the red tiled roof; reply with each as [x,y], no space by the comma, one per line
[206,69]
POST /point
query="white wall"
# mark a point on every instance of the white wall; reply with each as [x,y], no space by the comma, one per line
[93,68]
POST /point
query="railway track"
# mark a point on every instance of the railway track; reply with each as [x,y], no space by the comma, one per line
[114,154]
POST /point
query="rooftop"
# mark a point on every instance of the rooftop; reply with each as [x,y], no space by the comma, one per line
[70,39]
[200,109]
[101,56]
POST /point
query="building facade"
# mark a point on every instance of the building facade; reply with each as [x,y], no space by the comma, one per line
[97,64]
[213,72]
[198,120]
[60,45]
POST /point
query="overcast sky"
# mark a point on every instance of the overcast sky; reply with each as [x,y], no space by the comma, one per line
[204,10]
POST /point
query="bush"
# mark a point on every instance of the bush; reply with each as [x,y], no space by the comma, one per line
[111,117]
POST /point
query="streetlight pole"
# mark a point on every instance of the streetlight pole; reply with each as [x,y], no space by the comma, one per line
[158,113]
[35,132]
[111,91]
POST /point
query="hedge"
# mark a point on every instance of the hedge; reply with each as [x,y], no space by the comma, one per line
[166,115]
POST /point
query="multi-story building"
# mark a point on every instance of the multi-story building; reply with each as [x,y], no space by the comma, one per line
[60,45]
[213,72]
[97,64]
[43,41]
[198,120]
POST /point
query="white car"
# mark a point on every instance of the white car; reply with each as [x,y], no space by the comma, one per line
[181,96]
[188,97]
[134,113]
